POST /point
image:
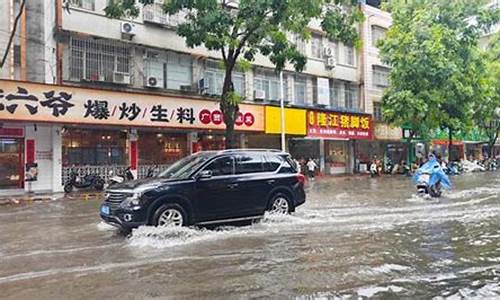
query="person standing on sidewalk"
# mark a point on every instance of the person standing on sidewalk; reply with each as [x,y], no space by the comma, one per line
[311,168]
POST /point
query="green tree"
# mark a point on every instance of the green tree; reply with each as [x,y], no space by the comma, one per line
[487,108]
[432,47]
[241,31]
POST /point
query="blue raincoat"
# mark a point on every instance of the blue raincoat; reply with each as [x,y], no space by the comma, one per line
[437,174]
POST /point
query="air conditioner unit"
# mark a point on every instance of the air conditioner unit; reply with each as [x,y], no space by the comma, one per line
[328,51]
[331,62]
[127,29]
[154,82]
[121,78]
[259,94]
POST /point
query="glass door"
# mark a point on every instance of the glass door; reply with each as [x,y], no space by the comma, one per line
[11,163]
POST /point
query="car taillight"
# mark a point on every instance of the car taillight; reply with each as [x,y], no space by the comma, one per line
[301,178]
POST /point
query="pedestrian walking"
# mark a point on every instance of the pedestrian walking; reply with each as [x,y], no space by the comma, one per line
[311,168]
[298,166]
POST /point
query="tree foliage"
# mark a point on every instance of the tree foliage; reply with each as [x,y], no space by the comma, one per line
[250,28]
[436,63]
[487,110]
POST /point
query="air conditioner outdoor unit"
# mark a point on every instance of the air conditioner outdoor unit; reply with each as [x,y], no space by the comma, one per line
[331,62]
[154,82]
[121,78]
[127,29]
[328,51]
[259,94]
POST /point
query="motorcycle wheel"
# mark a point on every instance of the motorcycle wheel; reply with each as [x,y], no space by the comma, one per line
[68,188]
[435,193]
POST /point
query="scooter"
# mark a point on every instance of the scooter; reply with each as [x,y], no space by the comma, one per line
[88,181]
[424,187]
[120,178]
[374,170]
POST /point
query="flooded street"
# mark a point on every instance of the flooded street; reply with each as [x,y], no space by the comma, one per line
[353,237]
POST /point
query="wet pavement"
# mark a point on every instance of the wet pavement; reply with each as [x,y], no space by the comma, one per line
[355,236]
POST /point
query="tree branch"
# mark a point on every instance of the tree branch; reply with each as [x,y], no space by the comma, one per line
[11,37]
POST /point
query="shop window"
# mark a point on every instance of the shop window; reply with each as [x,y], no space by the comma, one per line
[98,60]
[316,45]
[377,111]
[94,147]
[249,163]
[215,79]
[221,166]
[380,76]
[378,33]
[161,148]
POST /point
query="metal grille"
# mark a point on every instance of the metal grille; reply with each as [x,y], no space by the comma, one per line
[97,60]
[104,171]
[154,13]
[85,4]
[117,197]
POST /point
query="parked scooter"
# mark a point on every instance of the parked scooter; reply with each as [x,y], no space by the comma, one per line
[120,178]
[88,181]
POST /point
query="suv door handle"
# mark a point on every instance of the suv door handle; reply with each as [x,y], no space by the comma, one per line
[232,185]
[271,181]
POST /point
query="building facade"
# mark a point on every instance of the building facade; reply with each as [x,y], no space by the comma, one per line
[130,92]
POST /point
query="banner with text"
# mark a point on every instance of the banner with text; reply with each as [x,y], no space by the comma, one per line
[339,125]
[22,101]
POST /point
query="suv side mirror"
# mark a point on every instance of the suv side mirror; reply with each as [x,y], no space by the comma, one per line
[205,174]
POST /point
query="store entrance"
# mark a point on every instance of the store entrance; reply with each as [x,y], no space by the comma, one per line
[11,163]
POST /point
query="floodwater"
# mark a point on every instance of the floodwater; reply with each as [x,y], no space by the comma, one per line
[355,237]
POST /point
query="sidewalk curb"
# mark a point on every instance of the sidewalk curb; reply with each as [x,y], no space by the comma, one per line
[28,199]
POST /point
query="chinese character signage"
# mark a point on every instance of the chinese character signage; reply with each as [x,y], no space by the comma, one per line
[337,125]
[23,101]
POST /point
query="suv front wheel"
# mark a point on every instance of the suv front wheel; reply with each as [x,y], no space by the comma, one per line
[171,214]
[280,204]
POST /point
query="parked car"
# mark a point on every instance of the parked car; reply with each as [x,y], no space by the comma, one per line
[207,188]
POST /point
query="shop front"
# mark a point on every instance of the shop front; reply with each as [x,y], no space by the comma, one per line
[11,158]
[331,138]
[295,127]
[91,131]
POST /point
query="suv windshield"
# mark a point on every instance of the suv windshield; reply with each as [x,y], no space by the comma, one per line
[184,167]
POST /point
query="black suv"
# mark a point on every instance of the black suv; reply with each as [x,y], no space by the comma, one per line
[208,187]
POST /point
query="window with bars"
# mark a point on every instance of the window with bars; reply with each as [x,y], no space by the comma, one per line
[351,97]
[179,71]
[335,100]
[299,43]
[97,60]
[269,82]
[300,89]
[378,33]
[377,111]
[154,13]
[380,76]
[85,4]
[215,78]
[350,56]
[316,45]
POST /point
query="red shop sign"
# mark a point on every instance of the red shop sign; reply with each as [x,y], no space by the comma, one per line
[339,125]
[12,132]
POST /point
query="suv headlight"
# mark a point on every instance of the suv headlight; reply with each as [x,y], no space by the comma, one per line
[133,201]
